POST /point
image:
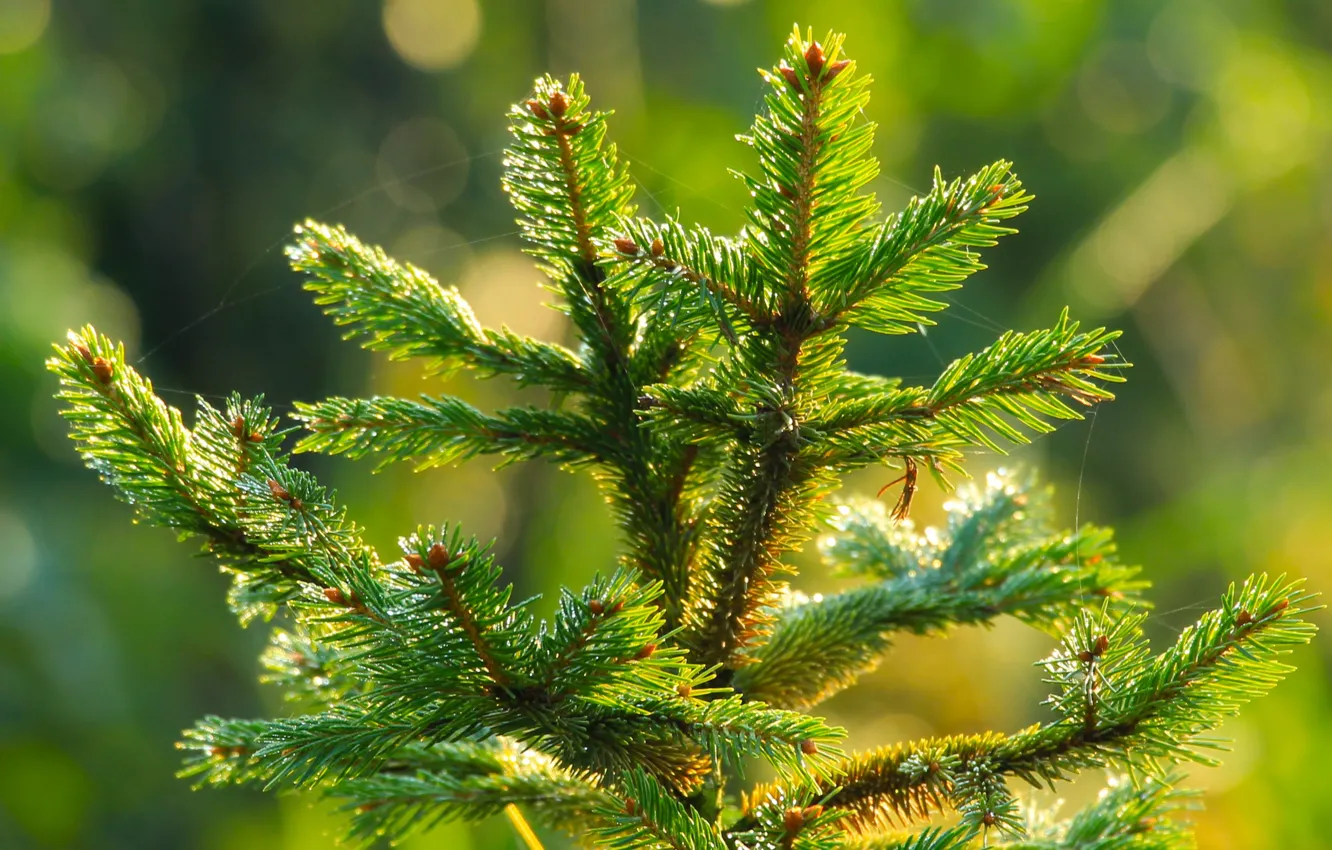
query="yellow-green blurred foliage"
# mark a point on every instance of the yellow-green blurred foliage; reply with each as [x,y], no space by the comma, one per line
[154,153]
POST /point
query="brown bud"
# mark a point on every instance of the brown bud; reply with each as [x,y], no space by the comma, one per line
[332,594]
[812,812]
[814,59]
[279,492]
[102,370]
[596,607]
[1278,607]
[1244,618]
[658,248]
[558,103]
[836,68]
[791,76]
[83,352]
[415,561]
[793,820]
[626,246]
[439,556]
[616,606]
[1085,657]
[238,427]
[646,652]
[630,807]
[538,110]
[1102,644]
[684,689]
[934,767]
[989,819]
[1093,360]
[219,752]
[809,748]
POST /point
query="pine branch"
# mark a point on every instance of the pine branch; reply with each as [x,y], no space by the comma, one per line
[813,159]
[935,838]
[699,275]
[1127,816]
[445,430]
[584,651]
[812,163]
[1148,712]
[310,673]
[173,477]
[926,248]
[571,194]
[997,557]
[652,819]
[471,781]
[1020,380]
[399,309]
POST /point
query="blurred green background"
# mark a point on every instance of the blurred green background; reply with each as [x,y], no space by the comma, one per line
[154,153]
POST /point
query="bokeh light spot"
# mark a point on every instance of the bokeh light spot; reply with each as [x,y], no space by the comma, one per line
[503,288]
[432,35]
[20,555]
[422,165]
[22,22]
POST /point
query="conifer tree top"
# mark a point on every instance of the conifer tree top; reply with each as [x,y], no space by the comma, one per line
[708,395]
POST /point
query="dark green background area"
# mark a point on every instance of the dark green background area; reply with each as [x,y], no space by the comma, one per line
[155,153]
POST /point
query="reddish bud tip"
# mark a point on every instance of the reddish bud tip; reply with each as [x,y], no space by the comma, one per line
[1095,559]
[684,689]
[535,107]
[596,607]
[836,68]
[814,59]
[626,246]
[238,428]
[1102,644]
[558,103]
[989,819]
[658,248]
[102,370]
[1085,657]
[1280,606]
[809,748]
[279,492]
[1244,618]
[1093,360]
[934,767]
[616,606]
[439,556]
[219,752]
[630,807]
[790,75]
[793,820]
[332,594]
[83,352]
[812,812]
[415,561]
[646,652]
